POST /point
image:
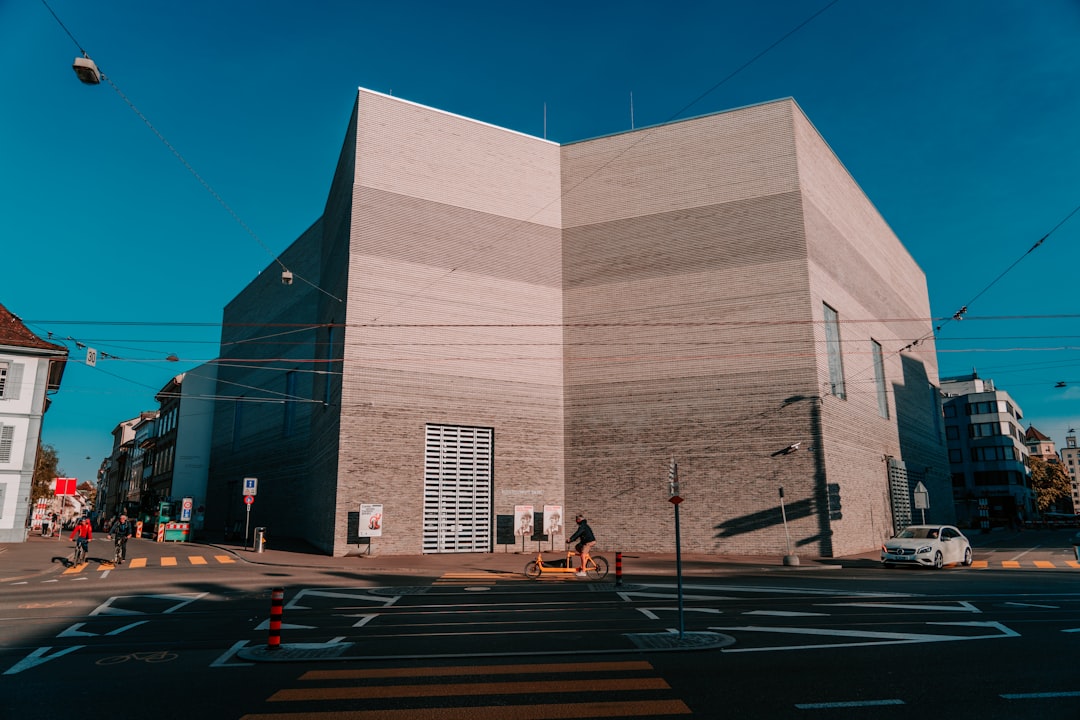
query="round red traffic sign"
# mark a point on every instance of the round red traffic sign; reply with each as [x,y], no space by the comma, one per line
[248,499]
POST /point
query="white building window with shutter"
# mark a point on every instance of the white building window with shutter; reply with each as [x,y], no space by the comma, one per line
[7,442]
[10,380]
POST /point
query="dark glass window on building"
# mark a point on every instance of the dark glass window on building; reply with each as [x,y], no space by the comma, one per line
[289,424]
[836,360]
[879,380]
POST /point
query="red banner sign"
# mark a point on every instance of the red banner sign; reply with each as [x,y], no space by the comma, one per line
[65,486]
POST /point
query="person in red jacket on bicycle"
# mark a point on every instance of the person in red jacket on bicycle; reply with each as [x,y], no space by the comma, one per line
[83,534]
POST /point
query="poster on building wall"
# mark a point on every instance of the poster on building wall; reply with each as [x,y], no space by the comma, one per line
[523,520]
[371,521]
[553,519]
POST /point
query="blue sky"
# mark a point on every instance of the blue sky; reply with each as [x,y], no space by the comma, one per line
[959,119]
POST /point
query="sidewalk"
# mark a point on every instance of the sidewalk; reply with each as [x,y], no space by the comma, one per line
[40,556]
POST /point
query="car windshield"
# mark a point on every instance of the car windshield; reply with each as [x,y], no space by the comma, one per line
[919,532]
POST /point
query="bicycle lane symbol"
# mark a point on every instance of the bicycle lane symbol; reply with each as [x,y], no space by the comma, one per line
[158,656]
[42,655]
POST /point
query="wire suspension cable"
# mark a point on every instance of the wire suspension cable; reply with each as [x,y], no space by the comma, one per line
[202,181]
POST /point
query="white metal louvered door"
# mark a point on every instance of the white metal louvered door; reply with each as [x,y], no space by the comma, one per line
[900,494]
[458,489]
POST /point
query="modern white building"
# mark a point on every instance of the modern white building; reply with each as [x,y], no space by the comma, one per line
[987,452]
[179,451]
[1070,459]
[31,370]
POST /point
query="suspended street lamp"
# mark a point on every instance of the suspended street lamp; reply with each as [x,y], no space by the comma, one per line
[87,70]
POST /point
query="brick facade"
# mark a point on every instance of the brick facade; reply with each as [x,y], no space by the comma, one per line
[603,306]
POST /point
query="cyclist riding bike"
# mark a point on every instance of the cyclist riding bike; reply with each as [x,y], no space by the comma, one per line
[120,532]
[586,540]
[82,535]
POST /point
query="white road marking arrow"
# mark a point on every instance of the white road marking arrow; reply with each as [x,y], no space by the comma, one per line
[295,605]
[871,637]
[74,631]
[648,612]
[39,657]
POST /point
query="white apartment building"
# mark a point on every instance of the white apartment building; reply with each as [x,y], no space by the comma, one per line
[30,369]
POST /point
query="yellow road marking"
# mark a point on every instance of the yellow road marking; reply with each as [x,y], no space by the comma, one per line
[75,569]
[465,689]
[137,563]
[223,559]
[979,564]
[1010,563]
[1072,563]
[1044,564]
[197,560]
[633,708]
[168,561]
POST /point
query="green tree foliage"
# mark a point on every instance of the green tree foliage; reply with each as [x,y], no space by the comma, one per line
[1050,483]
[46,469]
[89,491]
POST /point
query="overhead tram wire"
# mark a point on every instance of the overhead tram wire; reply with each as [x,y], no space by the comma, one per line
[959,314]
[202,181]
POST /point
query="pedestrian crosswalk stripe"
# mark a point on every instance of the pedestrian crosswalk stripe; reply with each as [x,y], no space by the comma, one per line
[223,559]
[197,560]
[168,561]
[479,683]
[137,563]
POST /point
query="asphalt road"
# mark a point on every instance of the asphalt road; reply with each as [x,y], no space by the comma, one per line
[849,641]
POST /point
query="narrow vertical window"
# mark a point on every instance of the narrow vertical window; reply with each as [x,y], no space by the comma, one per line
[832,346]
[879,380]
[289,426]
[238,422]
[328,365]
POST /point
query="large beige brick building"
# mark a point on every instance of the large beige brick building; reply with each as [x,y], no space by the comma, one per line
[483,320]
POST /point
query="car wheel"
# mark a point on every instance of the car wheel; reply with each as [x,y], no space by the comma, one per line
[968,559]
[939,561]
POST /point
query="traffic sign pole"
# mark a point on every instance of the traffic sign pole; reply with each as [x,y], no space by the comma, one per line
[249,500]
[675,499]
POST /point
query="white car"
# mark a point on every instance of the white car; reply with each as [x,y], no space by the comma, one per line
[929,545]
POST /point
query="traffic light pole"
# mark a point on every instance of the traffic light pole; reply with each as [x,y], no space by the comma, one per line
[678,570]
[791,558]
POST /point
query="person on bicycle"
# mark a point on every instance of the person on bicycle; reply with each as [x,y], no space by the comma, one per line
[82,534]
[586,540]
[119,533]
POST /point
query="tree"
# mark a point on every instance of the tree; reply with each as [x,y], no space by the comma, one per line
[46,469]
[1050,483]
[89,491]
